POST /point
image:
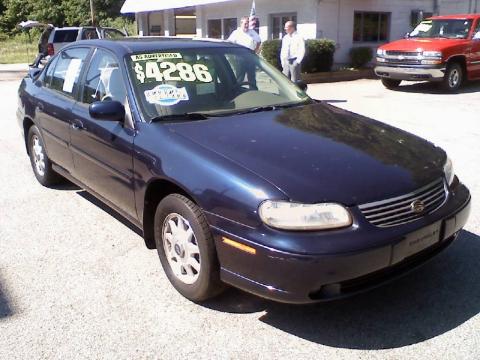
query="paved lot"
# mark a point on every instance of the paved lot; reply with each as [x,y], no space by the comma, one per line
[75,282]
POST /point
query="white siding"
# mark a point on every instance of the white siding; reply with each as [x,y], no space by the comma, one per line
[335,20]
[331,19]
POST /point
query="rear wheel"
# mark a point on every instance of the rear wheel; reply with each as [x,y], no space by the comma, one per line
[186,248]
[453,77]
[391,83]
[41,164]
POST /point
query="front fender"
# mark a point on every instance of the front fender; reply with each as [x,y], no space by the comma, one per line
[219,186]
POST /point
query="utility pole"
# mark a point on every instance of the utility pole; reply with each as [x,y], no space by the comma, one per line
[91,13]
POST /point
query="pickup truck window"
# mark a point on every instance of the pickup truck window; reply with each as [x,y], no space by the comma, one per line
[443,28]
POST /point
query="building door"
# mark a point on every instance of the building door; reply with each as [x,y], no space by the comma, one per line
[278,21]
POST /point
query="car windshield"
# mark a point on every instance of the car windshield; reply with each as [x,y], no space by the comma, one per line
[444,28]
[209,81]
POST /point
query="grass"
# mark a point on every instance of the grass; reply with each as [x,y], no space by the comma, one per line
[18,50]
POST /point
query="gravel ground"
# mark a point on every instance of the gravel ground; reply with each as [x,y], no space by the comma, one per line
[77,282]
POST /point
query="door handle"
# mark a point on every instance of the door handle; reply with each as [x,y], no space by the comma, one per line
[40,106]
[77,125]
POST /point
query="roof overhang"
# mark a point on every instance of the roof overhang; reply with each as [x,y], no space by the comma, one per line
[136,6]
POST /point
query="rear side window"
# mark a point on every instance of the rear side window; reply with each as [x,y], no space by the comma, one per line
[65,36]
[104,80]
[113,34]
[49,74]
[89,34]
[67,71]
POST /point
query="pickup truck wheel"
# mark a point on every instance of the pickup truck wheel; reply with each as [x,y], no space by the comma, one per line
[41,164]
[186,248]
[453,77]
[391,83]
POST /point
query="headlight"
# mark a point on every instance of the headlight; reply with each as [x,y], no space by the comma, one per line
[294,216]
[448,171]
[380,52]
[432,54]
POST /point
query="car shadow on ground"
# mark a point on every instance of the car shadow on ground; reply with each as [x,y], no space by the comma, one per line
[6,309]
[428,302]
[89,197]
[435,88]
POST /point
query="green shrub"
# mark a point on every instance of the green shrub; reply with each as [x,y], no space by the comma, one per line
[360,56]
[318,54]
[121,23]
[271,52]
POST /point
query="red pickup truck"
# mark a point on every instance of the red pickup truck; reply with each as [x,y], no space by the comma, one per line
[445,49]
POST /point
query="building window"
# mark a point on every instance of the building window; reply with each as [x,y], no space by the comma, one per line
[221,28]
[371,26]
[215,28]
[185,22]
[229,25]
[417,16]
[278,23]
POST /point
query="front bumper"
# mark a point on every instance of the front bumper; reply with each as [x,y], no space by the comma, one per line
[304,278]
[411,73]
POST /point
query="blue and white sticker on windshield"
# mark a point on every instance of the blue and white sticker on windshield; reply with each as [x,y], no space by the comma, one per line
[166,95]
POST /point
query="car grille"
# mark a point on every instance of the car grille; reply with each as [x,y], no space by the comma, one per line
[403,58]
[406,208]
[402,53]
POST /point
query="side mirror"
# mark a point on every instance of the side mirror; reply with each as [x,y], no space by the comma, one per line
[107,110]
[406,36]
[34,72]
[301,84]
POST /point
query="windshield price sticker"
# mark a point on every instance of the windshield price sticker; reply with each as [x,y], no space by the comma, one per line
[169,71]
[156,56]
[166,95]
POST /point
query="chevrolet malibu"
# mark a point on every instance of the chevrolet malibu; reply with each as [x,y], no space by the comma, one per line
[234,174]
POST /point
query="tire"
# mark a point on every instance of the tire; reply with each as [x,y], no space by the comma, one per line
[453,78]
[391,83]
[41,164]
[190,262]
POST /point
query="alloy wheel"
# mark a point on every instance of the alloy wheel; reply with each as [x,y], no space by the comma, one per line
[181,248]
[38,155]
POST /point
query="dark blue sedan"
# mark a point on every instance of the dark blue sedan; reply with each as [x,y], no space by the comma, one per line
[234,174]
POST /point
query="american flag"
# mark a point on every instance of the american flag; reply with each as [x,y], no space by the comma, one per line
[253,20]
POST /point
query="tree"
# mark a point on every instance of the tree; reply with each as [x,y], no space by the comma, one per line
[56,12]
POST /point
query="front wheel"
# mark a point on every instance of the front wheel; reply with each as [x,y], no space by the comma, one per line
[186,248]
[453,77]
[391,83]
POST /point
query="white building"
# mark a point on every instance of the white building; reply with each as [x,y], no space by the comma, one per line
[349,23]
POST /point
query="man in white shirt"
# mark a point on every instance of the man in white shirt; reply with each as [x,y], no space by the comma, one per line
[293,52]
[245,36]
[250,39]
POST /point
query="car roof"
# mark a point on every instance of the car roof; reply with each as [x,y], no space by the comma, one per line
[130,45]
[456,16]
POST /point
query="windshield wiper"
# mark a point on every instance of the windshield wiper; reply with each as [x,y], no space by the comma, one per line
[272,107]
[184,116]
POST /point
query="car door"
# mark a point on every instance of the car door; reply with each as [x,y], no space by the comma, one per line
[54,103]
[103,150]
[475,53]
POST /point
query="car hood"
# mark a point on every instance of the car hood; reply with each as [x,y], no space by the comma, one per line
[316,153]
[413,44]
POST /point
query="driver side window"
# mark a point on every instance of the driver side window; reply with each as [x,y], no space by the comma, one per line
[476,32]
[104,81]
